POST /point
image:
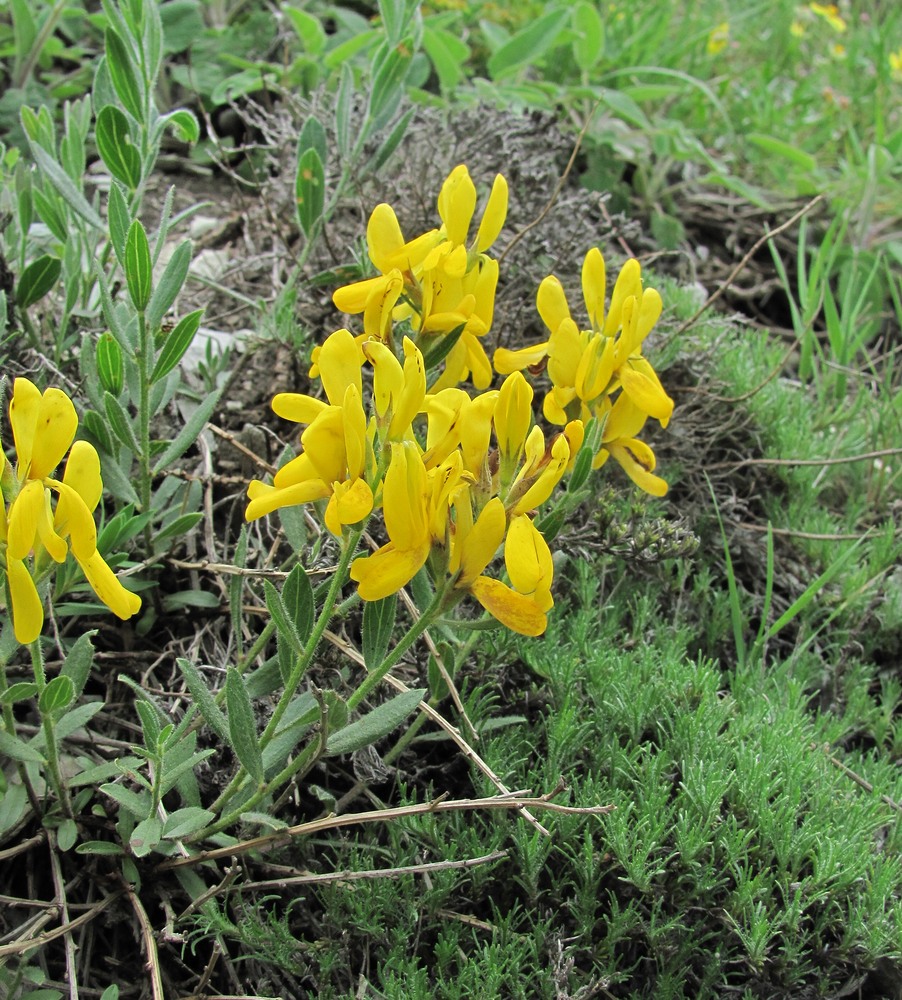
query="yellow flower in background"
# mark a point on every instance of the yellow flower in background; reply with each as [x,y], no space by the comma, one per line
[895,65]
[718,39]
[797,29]
[830,13]
[43,427]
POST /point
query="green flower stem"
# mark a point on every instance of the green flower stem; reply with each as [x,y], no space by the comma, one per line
[436,607]
[349,549]
[339,577]
[145,363]
[52,751]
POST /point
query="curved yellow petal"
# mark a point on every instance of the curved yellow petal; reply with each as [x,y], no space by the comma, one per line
[413,392]
[456,204]
[297,407]
[646,392]
[513,415]
[27,609]
[82,473]
[548,478]
[404,495]
[354,297]
[377,314]
[387,570]
[75,520]
[324,444]
[264,499]
[629,282]
[23,416]
[638,461]
[54,430]
[551,301]
[566,347]
[528,561]
[494,215]
[506,362]
[53,542]
[384,237]
[350,502]
[340,360]
[105,584]
[596,366]
[481,543]
[625,420]
[520,614]
[593,282]
[23,519]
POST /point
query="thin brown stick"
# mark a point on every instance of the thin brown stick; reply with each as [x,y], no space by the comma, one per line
[59,886]
[354,876]
[17,947]
[857,778]
[440,805]
[861,457]
[150,946]
[731,277]
[23,845]
[813,536]
[557,189]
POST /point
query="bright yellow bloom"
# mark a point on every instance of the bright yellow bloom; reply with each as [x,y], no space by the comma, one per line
[895,65]
[718,39]
[43,427]
[797,29]
[830,13]
[587,368]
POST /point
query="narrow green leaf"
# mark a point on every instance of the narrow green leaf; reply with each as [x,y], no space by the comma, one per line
[37,280]
[785,150]
[374,725]
[65,188]
[528,44]
[114,143]
[179,526]
[191,431]
[67,834]
[588,30]
[281,617]
[394,19]
[57,696]
[310,191]
[297,597]
[145,836]
[242,726]
[122,73]
[313,136]
[177,342]
[388,86]
[20,691]
[184,821]
[138,267]
[150,724]
[390,143]
[98,847]
[211,712]
[378,625]
[309,30]
[138,804]
[343,123]
[79,660]
[12,746]
[120,423]
[108,358]
[171,282]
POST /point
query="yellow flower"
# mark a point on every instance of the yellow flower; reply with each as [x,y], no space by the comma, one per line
[797,29]
[895,65]
[830,13]
[718,39]
[43,427]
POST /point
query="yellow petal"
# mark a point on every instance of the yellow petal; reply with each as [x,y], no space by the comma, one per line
[404,495]
[82,473]
[384,237]
[494,215]
[105,584]
[647,393]
[638,461]
[528,561]
[596,366]
[629,282]
[54,543]
[456,204]
[413,392]
[548,478]
[299,470]
[566,347]
[625,419]
[481,543]
[476,431]
[354,297]
[477,361]
[324,444]
[340,360]
[593,281]
[377,314]
[520,614]
[264,499]
[350,502]
[551,302]
[513,416]
[54,430]
[483,290]
[354,422]
[27,609]
[387,570]
[23,519]
[297,407]
[23,416]
[506,361]
[76,521]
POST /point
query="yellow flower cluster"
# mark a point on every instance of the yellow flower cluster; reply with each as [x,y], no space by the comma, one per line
[600,372]
[460,476]
[34,534]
